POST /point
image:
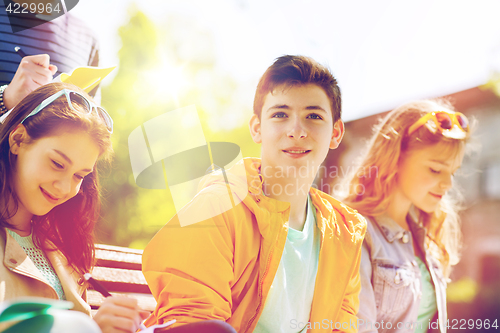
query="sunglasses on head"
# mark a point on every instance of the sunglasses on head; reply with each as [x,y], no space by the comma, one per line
[445,121]
[73,96]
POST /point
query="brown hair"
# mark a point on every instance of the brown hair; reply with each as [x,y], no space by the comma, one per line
[292,70]
[69,226]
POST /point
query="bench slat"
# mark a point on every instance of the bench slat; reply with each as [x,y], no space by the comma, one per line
[121,280]
[120,249]
[118,257]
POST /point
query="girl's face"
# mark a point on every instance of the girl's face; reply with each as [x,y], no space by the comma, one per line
[425,175]
[50,171]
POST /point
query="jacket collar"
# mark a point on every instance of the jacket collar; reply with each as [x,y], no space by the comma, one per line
[261,205]
[255,181]
[15,259]
[392,231]
[245,181]
[66,273]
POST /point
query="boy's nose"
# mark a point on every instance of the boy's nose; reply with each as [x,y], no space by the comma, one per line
[296,130]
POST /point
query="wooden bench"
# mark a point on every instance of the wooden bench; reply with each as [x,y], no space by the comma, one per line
[119,271]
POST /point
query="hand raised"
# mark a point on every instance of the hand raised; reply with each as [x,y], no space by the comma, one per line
[33,72]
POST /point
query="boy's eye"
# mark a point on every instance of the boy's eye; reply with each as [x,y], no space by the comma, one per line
[57,165]
[314,116]
[434,171]
[279,115]
[79,177]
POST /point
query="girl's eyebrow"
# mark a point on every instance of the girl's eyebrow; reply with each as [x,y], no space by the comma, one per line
[440,162]
[69,160]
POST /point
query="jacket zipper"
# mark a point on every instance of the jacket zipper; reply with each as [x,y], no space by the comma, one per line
[260,291]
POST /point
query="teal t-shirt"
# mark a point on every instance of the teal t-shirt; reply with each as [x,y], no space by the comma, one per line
[428,305]
[288,304]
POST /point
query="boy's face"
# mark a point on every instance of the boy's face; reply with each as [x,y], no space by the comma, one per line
[296,128]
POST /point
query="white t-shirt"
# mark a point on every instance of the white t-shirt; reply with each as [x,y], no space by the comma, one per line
[288,303]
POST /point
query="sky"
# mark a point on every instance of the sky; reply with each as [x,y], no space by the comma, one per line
[383,53]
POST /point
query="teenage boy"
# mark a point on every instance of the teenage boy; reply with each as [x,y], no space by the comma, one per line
[287,256]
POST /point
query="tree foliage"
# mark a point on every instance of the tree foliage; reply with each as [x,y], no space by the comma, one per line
[160,70]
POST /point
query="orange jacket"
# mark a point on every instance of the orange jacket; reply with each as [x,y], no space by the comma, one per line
[223,267]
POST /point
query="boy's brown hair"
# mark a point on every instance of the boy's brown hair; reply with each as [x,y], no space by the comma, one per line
[290,70]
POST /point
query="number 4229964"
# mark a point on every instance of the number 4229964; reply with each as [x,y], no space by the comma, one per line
[33,8]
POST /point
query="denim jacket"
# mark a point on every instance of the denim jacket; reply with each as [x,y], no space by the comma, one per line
[390,278]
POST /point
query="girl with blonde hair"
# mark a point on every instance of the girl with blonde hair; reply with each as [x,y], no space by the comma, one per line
[403,188]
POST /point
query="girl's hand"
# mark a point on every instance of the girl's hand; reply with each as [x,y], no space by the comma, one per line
[119,314]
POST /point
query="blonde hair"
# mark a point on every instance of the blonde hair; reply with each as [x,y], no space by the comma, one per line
[389,143]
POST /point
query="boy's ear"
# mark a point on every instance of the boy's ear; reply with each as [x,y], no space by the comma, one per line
[17,137]
[338,134]
[255,129]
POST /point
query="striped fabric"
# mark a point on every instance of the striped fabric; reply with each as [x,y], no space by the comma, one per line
[67,40]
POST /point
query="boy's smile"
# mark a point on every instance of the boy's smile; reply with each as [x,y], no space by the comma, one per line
[296,128]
